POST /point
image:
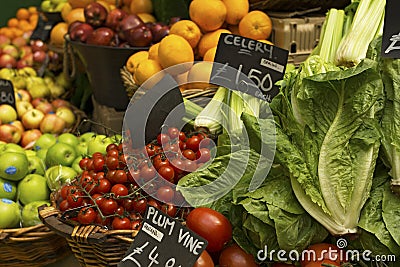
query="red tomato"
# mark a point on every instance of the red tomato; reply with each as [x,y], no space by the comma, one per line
[136,224]
[120,177]
[75,199]
[87,216]
[162,139]
[182,136]
[235,256]
[140,205]
[97,155]
[203,155]
[119,190]
[119,223]
[154,203]
[64,205]
[133,176]
[190,166]
[128,204]
[108,206]
[204,260]
[112,163]
[167,172]
[65,191]
[111,147]
[83,163]
[211,225]
[147,173]
[98,198]
[322,251]
[173,132]
[113,153]
[160,161]
[178,165]
[151,149]
[193,143]
[169,209]
[103,186]
[189,154]
[165,193]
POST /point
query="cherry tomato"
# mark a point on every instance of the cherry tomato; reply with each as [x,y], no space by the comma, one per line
[204,260]
[159,161]
[178,166]
[165,194]
[147,173]
[182,145]
[89,165]
[102,221]
[162,139]
[64,205]
[133,176]
[122,161]
[151,149]
[193,143]
[182,136]
[189,154]
[235,256]
[99,175]
[112,163]
[119,223]
[97,155]
[75,199]
[203,155]
[120,177]
[108,206]
[190,166]
[64,191]
[104,186]
[322,251]
[136,224]
[119,190]
[87,216]
[83,163]
[128,204]
[169,209]
[139,205]
[120,210]
[205,143]
[111,147]
[167,172]
[173,132]
[113,153]
[88,182]
[98,198]
[154,203]
[110,175]
[211,225]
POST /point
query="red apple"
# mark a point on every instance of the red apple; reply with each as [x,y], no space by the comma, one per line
[9,134]
[32,119]
[39,56]
[7,61]
[129,22]
[26,61]
[23,95]
[45,107]
[4,40]
[72,26]
[11,50]
[81,32]
[19,41]
[114,18]
[29,137]
[159,31]
[101,36]
[23,107]
[38,45]
[95,14]
[139,36]
[19,126]
[57,103]
[51,123]
[25,50]
[36,101]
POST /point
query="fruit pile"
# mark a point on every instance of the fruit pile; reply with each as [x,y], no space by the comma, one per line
[114,188]
[52,5]
[22,24]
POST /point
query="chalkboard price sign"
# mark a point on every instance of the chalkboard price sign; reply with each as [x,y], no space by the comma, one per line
[391,30]
[7,93]
[163,242]
[248,66]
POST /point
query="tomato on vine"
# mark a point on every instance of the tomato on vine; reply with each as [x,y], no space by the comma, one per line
[87,216]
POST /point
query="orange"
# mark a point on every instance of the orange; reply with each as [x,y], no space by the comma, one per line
[25,25]
[57,34]
[76,14]
[141,6]
[79,3]
[235,10]
[33,19]
[153,51]
[134,60]
[32,10]
[13,22]
[23,13]
[65,10]
[18,32]
[210,54]
[188,30]
[146,17]
[199,75]
[209,15]
[174,50]
[210,40]
[146,69]
[256,25]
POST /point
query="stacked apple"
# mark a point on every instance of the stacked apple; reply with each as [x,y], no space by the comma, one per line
[27,177]
[52,5]
[115,28]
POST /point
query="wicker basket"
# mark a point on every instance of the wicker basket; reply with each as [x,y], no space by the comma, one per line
[34,246]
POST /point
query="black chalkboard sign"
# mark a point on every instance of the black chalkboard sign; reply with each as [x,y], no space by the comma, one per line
[43,29]
[391,30]
[7,93]
[258,66]
[163,241]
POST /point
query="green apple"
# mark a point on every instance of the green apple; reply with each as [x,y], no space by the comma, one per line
[75,165]
[46,140]
[42,154]
[68,138]
[33,188]
[116,138]
[10,214]
[30,153]
[98,144]
[30,213]
[13,166]
[86,137]
[81,149]
[8,189]
[59,175]
[46,6]
[12,148]
[60,154]
[36,165]
[7,73]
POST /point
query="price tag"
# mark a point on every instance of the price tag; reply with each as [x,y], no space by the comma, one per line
[391,30]
[259,66]
[163,242]
[7,93]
